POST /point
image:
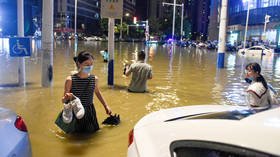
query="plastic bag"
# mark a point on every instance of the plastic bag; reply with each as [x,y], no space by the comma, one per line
[66,127]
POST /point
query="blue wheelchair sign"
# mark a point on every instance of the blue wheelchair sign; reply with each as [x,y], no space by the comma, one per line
[20,46]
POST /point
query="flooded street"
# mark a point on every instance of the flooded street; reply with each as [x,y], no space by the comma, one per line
[181,76]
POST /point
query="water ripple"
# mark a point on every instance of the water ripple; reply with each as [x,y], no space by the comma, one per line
[164,99]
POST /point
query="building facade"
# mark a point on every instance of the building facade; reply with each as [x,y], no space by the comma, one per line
[195,11]
[198,12]
[156,9]
[88,16]
[141,9]
[214,20]
[258,10]
[129,7]
[8,17]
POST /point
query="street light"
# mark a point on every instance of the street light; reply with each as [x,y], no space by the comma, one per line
[174,9]
[67,22]
[121,28]
[182,16]
[173,27]
[75,28]
[182,19]
[147,33]
[2,39]
[266,20]
[126,15]
[247,19]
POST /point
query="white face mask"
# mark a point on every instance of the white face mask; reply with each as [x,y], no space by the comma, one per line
[87,69]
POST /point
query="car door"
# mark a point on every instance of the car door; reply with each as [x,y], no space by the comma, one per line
[267,51]
[255,51]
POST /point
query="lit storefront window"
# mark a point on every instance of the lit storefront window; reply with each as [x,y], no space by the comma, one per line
[265,3]
[270,3]
[252,3]
[258,4]
[258,10]
[245,4]
[233,38]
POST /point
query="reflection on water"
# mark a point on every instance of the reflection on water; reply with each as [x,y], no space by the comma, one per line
[181,76]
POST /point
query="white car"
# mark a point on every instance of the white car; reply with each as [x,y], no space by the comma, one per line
[91,38]
[256,51]
[206,131]
[14,135]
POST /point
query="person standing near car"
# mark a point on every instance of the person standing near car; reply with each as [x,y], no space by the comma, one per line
[258,93]
[83,85]
[141,72]
[105,55]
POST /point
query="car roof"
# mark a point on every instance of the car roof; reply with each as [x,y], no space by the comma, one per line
[258,132]
[6,113]
[259,46]
[269,117]
[171,113]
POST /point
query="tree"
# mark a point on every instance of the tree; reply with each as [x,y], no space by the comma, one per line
[104,26]
[154,27]
[166,25]
[187,28]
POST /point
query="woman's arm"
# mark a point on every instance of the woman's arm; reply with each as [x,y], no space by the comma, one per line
[100,97]
[67,89]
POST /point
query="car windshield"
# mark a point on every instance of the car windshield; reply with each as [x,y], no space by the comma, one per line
[231,115]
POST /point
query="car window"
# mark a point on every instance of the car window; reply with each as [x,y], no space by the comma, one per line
[267,48]
[231,115]
[192,148]
[258,48]
[5,113]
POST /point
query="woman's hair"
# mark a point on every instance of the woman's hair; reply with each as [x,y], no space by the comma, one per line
[257,68]
[83,56]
